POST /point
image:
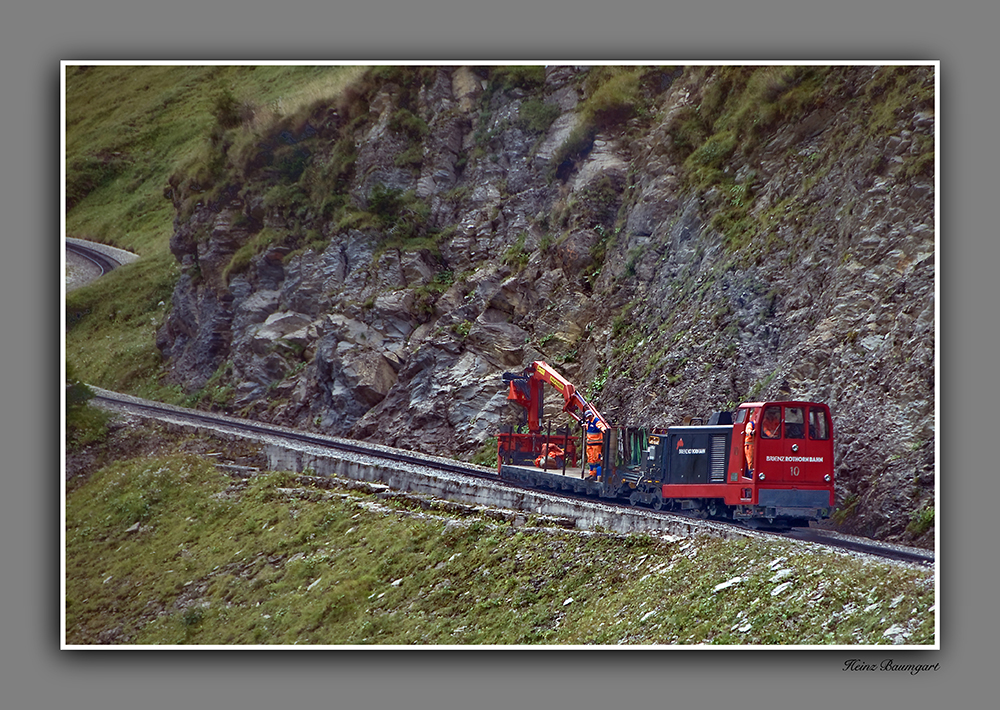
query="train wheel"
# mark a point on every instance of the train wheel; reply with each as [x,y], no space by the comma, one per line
[634,498]
[658,503]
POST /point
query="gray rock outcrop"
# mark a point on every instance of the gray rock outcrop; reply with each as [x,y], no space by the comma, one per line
[675,268]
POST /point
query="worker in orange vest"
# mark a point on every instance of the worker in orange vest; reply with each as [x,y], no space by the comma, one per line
[595,445]
[772,423]
[749,445]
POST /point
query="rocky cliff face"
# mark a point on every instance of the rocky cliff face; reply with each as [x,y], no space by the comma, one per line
[678,240]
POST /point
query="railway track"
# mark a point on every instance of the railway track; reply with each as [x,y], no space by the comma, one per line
[817,536]
[87,261]
[158,410]
[854,544]
[243,427]
[101,261]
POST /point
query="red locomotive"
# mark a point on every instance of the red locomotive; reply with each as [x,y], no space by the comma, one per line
[769,464]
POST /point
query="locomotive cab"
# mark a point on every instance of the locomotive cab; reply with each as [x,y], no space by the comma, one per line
[782,459]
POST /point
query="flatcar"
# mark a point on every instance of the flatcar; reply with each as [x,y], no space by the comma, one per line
[769,464]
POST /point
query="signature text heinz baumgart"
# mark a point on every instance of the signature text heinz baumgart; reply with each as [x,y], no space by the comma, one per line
[856,664]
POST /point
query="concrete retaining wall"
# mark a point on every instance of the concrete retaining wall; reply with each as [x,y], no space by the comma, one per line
[470,490]
[408,478]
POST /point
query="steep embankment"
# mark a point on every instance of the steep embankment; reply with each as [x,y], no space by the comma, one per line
[678,239]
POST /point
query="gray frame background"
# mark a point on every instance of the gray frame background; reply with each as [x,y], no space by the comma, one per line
[36,36]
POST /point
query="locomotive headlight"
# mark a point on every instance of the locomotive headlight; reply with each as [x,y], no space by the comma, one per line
[826,478]
[760,476]
[795,447]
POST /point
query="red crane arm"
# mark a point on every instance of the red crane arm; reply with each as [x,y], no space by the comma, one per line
[526,389]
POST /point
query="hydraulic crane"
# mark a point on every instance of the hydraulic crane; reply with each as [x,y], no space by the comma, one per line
[525,388]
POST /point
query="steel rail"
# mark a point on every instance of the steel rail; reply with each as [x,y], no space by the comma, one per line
[104,262]
[396,455]
[816,536]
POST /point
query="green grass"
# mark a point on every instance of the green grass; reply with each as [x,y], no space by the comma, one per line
[516,255]
[896,91]
[169,550]
[486,455]
[613,96]
[741,106]
[528,77]
[129,129]
[846,510]
[240,261]
[536,116]
[84,424]
[922,521]
[112,325]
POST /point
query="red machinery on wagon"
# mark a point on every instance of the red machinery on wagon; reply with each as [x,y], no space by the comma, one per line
[527,389]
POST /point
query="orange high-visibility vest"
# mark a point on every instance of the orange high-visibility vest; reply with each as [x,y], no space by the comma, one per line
[595,443]
[748,444]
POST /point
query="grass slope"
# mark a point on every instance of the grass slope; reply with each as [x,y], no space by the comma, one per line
[128,129]
[170,550]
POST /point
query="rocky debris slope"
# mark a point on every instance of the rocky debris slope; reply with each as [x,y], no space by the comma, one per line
[675,240]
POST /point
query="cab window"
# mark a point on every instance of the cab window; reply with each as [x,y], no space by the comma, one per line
[819,427]
[794,423]
[770,423]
